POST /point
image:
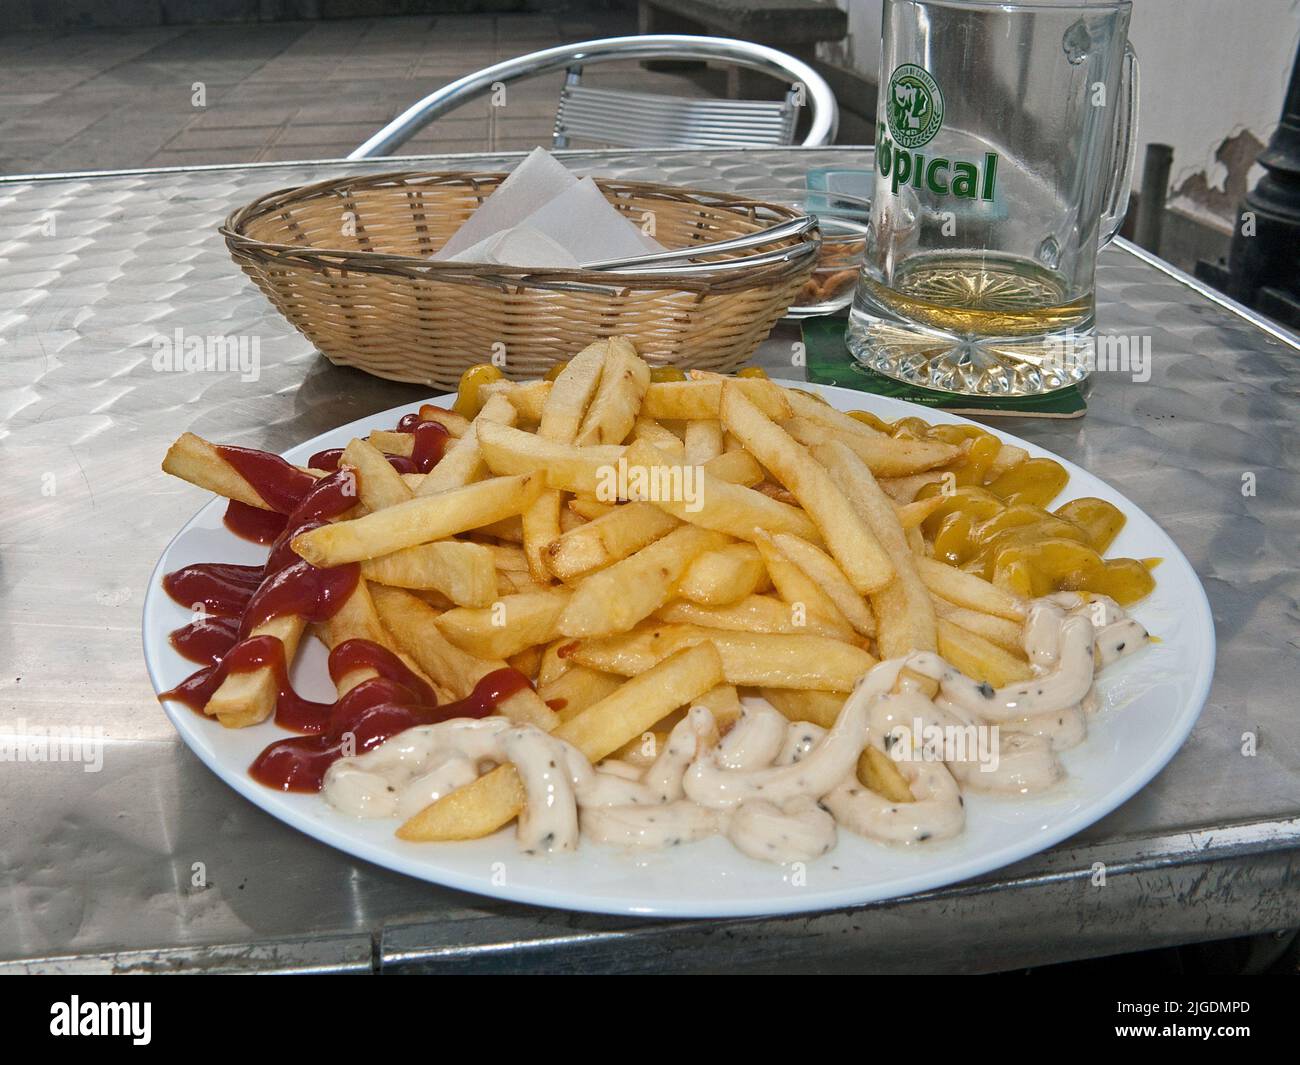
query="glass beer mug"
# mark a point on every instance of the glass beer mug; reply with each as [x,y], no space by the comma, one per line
[1004,155]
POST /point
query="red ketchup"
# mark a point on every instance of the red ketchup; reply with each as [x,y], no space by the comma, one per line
[329,460]
[430,442]
[326,460]
[220,588]
[206,640]
[235,600]
[253,523]
[280,483]
[369,714]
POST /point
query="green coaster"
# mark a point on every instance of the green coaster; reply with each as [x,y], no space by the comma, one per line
[829,363]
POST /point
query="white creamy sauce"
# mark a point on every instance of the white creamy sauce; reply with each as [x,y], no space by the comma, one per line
[781,790]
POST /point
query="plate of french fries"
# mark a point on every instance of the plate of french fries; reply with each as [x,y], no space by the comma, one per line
[632,640]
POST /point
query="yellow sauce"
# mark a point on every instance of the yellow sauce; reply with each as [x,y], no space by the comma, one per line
[469,398]
[997,525]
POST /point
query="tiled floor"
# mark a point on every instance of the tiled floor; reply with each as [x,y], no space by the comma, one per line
[176,96]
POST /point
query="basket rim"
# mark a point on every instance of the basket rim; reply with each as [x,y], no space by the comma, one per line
[240,243]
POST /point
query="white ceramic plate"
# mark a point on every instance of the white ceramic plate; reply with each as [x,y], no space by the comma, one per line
[1150,702]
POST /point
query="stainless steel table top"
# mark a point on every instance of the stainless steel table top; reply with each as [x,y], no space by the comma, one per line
[99,868]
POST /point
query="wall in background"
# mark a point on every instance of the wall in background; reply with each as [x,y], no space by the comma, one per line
[94,14]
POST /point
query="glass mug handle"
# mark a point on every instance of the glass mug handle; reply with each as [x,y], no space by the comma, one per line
[1124,149]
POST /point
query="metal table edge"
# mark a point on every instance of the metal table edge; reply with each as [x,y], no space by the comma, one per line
[421,944]
[559,153]
[1210,293]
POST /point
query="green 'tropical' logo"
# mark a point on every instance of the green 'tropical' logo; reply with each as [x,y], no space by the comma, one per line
[915,106]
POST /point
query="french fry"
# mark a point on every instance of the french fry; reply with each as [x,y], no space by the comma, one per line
[510,530]
[508,557]
[642,750]
[720,506]
[589,508]
[464,572]
[617,597]
[801,593]
[496,798]
[570,520]
[665,440]
[904,616]
[635,706]
[755,659]
[509,625]
[701,398]
[911,515]
[418,521]
[1009,635]
[521,583]
[437,600]
[470,812]
[613,410]
[910,680]
[412,624]
[455,424]
[723,702]
[463,462]
[978,658]
[917,543]
[881,774]
[554,661]
[779,492]
[968,590]
[378,484]
[527,397]
[527,660]
[819,707]
[581,470]
[814,409]
[540,523]
[562,416]
[249,698]
[193,459]
[736,467]
[847,536]
[391,442]
[724,576]
[903,489]
[703,441]
[576,689]
[822,570]
[357,619]
[571,394]
[885,456]
[605,540]
[755,613]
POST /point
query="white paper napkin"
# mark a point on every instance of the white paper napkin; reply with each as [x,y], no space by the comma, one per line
[544,216]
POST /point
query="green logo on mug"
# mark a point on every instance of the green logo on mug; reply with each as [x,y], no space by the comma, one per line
[915,106]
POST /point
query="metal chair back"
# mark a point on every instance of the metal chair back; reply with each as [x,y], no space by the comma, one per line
[643,120]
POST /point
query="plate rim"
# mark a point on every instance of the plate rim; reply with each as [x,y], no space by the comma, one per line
[185,721]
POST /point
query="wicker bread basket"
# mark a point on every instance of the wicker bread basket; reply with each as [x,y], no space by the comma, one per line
[347,262]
